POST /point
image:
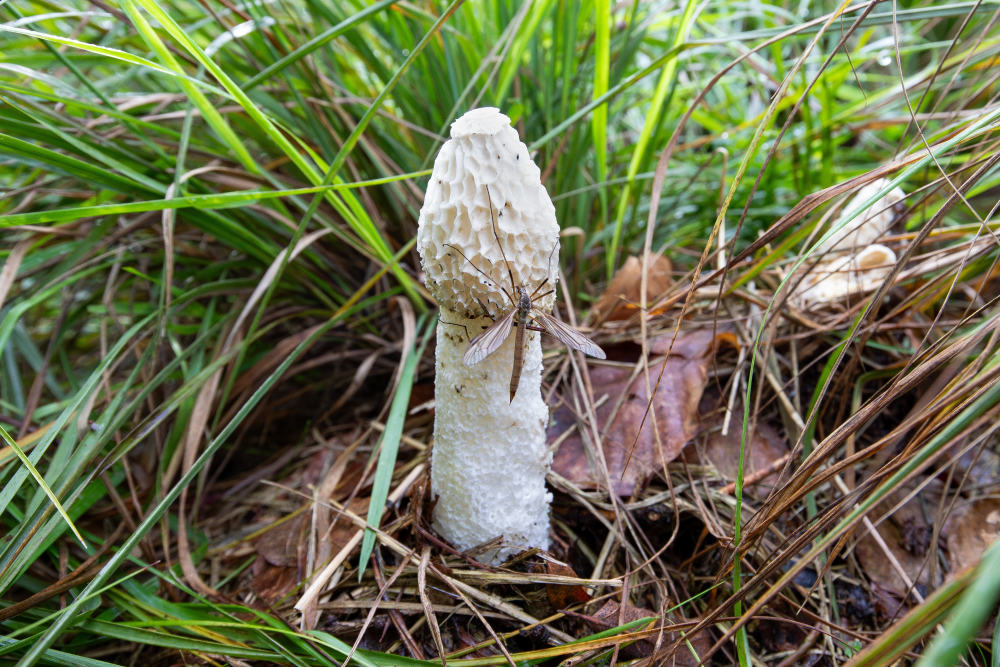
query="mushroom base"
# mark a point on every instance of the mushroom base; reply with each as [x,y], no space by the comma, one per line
[490,456]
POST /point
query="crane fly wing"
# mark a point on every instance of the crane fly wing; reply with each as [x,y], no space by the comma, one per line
[487,342]
[568,334]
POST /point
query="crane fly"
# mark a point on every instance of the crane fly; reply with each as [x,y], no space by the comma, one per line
[523,309]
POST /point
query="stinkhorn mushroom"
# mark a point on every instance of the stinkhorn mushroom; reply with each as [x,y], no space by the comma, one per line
[485,201]
[853,264]
[845,274]
[869,225]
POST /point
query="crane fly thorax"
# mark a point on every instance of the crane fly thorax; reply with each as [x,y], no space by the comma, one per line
[523,301]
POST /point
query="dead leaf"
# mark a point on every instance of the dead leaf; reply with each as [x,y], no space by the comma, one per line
[778,637]
[888,604]
[700,643]
[766,446]
[607,617]
[271,582]
[279,546]
[969,530]
[344,530]
[675,409]
[285,544]
[907,535]
[621,296]
[560,596]
[981,466]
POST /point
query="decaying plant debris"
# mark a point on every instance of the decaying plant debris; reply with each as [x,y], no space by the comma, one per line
[221,446]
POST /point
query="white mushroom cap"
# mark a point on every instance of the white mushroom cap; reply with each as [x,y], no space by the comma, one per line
[485,165]
[846,275]
[869,225]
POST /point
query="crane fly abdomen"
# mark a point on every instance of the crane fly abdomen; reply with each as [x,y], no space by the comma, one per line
[523,313]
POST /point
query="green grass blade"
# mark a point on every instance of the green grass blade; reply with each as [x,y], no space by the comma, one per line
[512,62]
[207,109]
[599,119]
[122,56]
[69,411]
[652,119]
[996,644]
[41,482]
[68,164]
[317,42]
[975,606]
[910,629]
[213,201]
[611,94]
[390,442]
[59,658]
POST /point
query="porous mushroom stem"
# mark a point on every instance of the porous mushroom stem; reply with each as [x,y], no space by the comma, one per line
[484,203]
[490,457]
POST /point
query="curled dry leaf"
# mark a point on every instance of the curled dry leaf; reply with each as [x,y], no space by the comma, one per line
[621,297]
[272,583]
[280,546]
[285,544]
[765,446]
[560,596]
[907,534]
[981,465]
[675,409]
[612,615]
[971,528]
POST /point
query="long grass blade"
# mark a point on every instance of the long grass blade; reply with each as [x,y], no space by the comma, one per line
[389,446]
[970,613]
[41,482]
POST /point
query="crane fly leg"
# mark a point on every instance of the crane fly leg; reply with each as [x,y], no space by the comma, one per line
[456,324]
[540,286]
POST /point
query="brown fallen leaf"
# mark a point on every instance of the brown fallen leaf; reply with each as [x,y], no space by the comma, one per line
[675,410]
[907,535]
[271,582]
[621,297]
[696,645]
[607,617]
[559,596]
[887,604]
[981,466]
[969,530]
[284,545]
[280,546]
[778,637]
[765,445]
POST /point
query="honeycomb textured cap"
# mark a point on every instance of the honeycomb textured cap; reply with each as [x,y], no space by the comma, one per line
[484,120]
[485,188]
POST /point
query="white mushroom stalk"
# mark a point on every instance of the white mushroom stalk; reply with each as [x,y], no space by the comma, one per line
[484,201]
